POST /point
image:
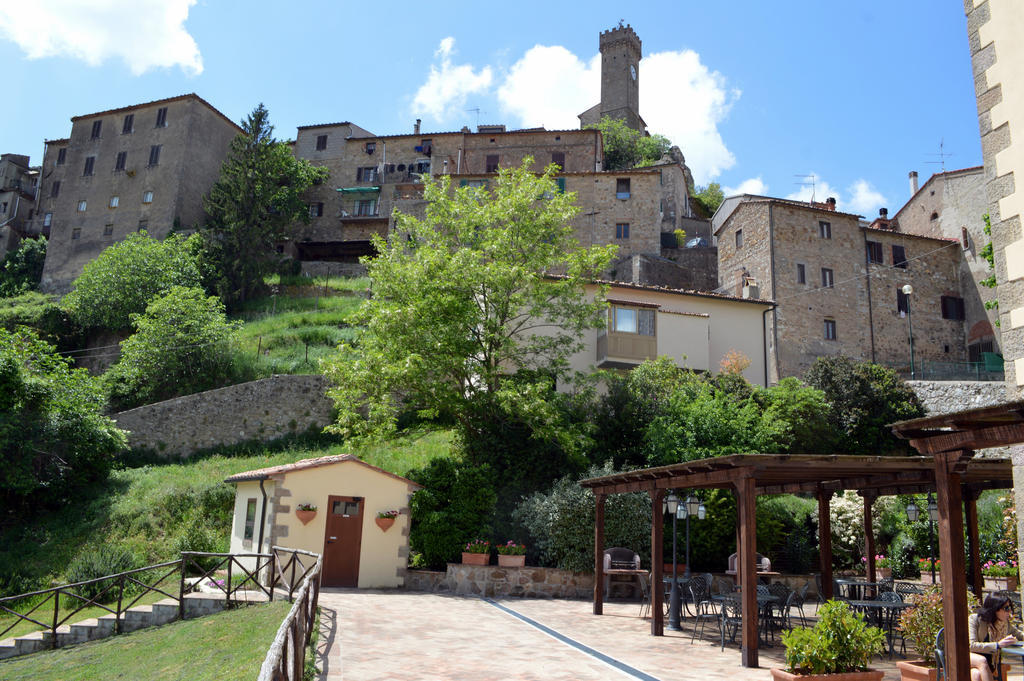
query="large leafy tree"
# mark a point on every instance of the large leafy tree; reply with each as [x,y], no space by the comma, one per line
[709,197]
[626,148]
[259,194]
[464,297]
[22,268]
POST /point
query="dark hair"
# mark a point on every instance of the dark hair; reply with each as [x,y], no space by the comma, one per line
[993,604]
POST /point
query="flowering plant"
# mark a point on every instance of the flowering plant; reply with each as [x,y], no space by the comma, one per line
[511,549]
[306,507]
[477,546]
[387,514]
[880,561]
[925,564]
[999,569]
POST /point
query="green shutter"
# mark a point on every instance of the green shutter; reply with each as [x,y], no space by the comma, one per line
[560,181]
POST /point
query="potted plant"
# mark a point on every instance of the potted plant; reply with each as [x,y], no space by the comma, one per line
[385,519]
[883,566]
[305,512]
[477,552]
[1000,575]
[925,566]
[838,648]
[511,554]
[919,625]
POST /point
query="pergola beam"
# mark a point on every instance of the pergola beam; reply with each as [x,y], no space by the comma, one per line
[962,440]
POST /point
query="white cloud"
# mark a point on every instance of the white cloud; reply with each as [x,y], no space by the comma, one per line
[820,191]
[752,185]
[865,199]
[550,86]
[448,85]
[145,34]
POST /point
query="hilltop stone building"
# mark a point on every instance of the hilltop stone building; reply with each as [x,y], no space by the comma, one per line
[17,197]
[621,51]
[140,167]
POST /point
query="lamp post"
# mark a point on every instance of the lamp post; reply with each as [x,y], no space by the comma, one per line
[913,513]
[672,506]
[907,290]
[693,506]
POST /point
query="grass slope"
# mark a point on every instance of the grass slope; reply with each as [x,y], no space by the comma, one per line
[227,646]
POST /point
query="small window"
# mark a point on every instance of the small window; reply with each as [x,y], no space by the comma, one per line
[108,229]
[368,174]
[558,158]
[622,230]
[801,274]
[560,181]
[366,208]
[47,219]
[827,280]
[371,147]
[250,519]
[875,252]
[97,126]
[55,189]
[82,206]
[492,163]
[952,307]
[345,508]
[90,163]
[902,302]
[143,226]
[121,161]
[825,229]
[899,257]
[830,329]
[62,155]
[316,210]
[128,127]
[76,233]
[739,239]
[147,197]
[154,155]
[114,201]
[633,320]
[321,142]
[161,117]
[622,188]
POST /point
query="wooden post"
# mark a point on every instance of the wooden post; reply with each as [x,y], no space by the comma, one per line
[869,537]
[976,580]
[657,546]
[825,542]
[953,568]
[599,553]
[745,567]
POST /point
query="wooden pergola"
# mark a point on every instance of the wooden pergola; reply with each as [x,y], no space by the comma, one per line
[750,475]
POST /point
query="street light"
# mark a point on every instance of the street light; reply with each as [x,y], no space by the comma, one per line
[672,506]
[693,506]
[907,290]
[913,513]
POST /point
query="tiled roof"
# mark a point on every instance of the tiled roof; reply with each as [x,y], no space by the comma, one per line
[178,98]
[684,292]
[264,473]
[912,235]
[324,125]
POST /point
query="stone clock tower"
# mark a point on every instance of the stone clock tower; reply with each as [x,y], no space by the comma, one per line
[621,51]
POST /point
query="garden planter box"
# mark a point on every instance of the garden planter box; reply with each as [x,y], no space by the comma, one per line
[926,577]
[883,573]
[511,561]
[1000,583]
[915,670]
[476,558]
[869,675]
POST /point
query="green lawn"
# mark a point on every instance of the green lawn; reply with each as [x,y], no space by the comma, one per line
[227,646]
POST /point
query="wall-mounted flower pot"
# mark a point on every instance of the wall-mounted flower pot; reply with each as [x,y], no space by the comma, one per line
[384,523]
[305,516]
[511,561]
[476,558]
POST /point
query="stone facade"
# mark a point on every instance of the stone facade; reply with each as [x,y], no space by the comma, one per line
[145,166]
[946,397]
[17,199]
[498,582]
[699,265]
[832,299]
[621,52]
[687,269]
[265,409]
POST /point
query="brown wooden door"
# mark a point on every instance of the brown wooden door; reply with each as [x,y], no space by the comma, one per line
[342,540]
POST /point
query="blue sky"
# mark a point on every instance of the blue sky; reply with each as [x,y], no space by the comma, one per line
[856,93]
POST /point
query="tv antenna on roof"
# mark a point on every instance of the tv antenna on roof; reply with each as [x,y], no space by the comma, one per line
[805,183]
[942,156]
[477,110]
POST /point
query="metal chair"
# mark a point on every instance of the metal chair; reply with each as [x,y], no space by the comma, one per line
[906,589]
[645,586]
[940,654]
[785,602]
[731,618]
[703,607]
[799,599]
[891,619]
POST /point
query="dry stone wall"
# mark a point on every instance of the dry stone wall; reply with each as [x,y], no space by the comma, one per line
[946,397]
[259,410]
[494,581]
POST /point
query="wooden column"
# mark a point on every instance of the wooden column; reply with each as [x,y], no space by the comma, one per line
[657,561]
[869,536]
[825,542]
[746,568]
[599,500]
[975,578]
[953,567]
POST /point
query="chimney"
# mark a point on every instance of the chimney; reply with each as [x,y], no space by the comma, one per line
[831,201]
[883,213]
[416,128]
[913,182]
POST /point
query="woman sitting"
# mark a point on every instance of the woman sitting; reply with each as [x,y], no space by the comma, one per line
[988,630]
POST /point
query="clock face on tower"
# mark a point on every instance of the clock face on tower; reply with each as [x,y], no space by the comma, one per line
[632,72]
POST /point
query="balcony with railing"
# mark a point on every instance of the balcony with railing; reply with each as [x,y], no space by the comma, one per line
[990,369]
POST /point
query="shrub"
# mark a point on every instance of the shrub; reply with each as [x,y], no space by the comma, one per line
[96,563]
[22,268]
[839,643]
[921,623]
[902,557]
[199,536]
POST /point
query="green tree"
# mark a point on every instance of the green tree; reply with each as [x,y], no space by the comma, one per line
[123,279]
[181,345]
[259,194]
[709,197]
[463,297]
[626,148]
[54,438]
[864,398]
[22,268]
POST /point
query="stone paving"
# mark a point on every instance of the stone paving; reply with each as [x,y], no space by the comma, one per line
[369,635]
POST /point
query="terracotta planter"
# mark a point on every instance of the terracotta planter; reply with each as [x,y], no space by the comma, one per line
[385,523]
[1000,583]
[926,577]
[511,561]
[883,573]
[915,670]
[476,558]
[869,675]
[305,516]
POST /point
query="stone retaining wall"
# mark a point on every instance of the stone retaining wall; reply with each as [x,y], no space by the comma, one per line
[944,397]
[494,581]
[259,410]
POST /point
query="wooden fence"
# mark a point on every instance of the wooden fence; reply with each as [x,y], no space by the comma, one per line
[286,658]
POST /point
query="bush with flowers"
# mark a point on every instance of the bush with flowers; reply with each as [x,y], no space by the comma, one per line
[880,561]
[925,564]
[1000,568]
[511,549]
[388,514]
[477,546]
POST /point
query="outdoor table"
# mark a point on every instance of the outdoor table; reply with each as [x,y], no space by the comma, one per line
[684,591]
[1014,651]
[875,611]
[856,589]
[764,607]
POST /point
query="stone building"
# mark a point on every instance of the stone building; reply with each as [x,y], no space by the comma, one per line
[837,283]
[952,205]
[140,167]
[17,197]
[621,51]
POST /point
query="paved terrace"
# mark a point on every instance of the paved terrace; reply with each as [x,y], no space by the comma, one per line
[369,635]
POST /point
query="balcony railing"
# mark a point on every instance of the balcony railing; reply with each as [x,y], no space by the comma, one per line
[625,349]
[931,370]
